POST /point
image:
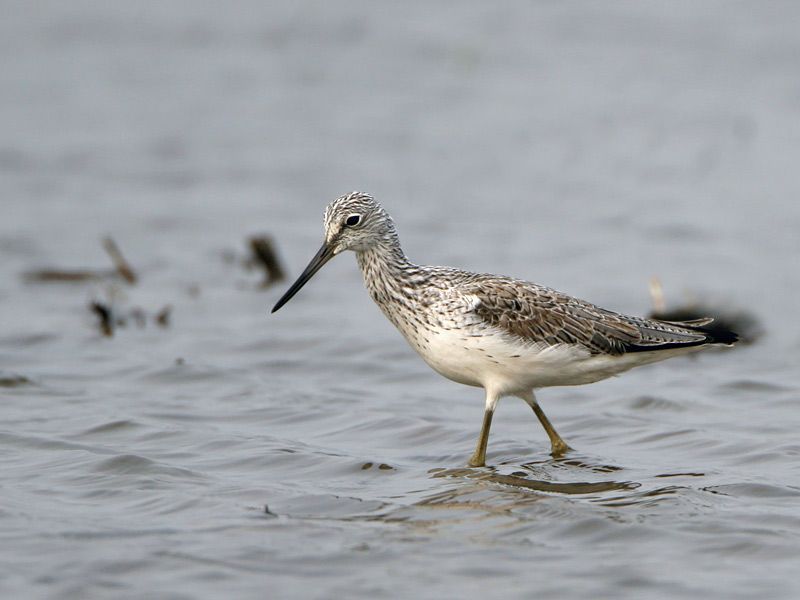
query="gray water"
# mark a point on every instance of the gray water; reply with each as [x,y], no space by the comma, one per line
[311,453]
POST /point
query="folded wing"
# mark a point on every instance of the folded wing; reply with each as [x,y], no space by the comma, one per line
[543,316]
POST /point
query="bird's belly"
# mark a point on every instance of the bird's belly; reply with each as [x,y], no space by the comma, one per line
[495,361]
[451,357]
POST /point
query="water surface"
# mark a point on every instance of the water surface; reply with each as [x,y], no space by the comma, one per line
[311,453]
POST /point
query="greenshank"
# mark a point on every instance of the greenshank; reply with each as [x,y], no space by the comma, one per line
[508,336]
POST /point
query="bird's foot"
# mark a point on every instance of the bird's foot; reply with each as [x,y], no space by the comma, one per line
[477,461]
[559,448]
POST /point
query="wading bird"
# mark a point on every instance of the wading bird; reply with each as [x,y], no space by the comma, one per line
[508,336]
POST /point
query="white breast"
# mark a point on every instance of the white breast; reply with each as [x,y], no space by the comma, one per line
[496,361]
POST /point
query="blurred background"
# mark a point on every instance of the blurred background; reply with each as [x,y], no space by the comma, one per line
[588,147]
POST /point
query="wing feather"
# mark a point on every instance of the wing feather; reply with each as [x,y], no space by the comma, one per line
[540,315]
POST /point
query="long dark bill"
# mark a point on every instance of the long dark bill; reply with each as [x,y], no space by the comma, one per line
[319,260]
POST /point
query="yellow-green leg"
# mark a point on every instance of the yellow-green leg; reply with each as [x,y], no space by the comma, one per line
[478,458]
[558,446]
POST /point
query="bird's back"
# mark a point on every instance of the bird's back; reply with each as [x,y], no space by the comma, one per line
[538,314]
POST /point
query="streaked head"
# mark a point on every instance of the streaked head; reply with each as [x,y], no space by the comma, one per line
[353,222]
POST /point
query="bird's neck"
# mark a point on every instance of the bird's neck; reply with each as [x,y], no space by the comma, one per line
[384,267]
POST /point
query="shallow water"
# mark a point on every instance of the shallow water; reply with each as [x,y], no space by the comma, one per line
[310,453]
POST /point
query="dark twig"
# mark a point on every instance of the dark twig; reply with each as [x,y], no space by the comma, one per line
[104,314]
[123,267]
[59,275]
[263,250]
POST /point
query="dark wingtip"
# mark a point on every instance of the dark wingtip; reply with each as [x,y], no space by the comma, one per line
[727,327]
[719,334]
[715,333]
[730,325]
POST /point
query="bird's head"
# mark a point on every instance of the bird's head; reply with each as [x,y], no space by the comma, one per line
[352,222]
[355,222]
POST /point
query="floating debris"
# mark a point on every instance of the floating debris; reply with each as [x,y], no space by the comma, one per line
[264,254]
[104,314]
[111,320]
[383,466]
[123,266]
[64,275]
[13,380]
[54,275]
[163,316]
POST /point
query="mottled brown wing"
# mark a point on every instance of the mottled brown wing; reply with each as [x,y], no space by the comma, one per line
[541,315]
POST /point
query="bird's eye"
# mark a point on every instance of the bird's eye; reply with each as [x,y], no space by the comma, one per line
[352,220]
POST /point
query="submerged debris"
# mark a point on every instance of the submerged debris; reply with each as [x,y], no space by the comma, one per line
[726,318]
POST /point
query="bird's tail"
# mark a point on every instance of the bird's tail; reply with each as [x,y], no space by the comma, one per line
[715,332]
